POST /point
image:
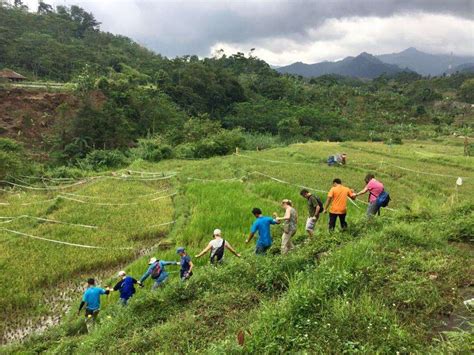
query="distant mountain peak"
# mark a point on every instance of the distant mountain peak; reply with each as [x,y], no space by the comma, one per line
[365,65]
[411,50]
[424,63]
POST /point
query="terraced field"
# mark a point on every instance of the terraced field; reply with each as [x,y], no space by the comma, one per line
[395,284]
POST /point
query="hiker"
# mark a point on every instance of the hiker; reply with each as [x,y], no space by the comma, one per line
[337,198]
[156,270]
[91,299]
[315,208]
[217,247]
[375,188]
[262,226]
[186,264]
[126,287]
[290,225]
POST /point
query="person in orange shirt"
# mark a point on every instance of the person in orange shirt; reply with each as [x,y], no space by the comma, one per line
[337,198]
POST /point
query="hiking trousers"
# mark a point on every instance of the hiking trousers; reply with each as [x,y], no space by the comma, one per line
[373,209]
[333,218]
[286,243]
[160,280]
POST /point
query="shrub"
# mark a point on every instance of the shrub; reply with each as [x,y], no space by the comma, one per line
[65,172]
[9,145]
[185,150]
[254,141]
[102,159]
[221,143]
[11,159]
[152,150]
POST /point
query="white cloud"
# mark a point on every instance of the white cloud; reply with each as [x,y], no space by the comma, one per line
[338,38]
[285,31]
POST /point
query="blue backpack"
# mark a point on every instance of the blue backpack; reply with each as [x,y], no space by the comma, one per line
[383,199]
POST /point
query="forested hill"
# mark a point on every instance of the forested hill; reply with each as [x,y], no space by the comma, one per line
[123,101]
[57,43]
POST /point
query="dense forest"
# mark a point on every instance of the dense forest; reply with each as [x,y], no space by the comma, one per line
[133,103]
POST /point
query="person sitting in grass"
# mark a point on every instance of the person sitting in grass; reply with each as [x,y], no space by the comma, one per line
[126,287]
[186,264]
[217,247]
[156,270]
[290,225]
[262,226]
[337,198]
[375,188]
[315,208]
[91,299]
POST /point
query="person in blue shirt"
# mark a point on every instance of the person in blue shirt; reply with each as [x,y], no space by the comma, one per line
[91,299]
[156,270]
[262,226]
[186,264]
[126,287]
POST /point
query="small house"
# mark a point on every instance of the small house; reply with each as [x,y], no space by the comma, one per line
[10,75]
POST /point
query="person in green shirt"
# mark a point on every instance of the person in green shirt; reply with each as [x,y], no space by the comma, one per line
[315,208]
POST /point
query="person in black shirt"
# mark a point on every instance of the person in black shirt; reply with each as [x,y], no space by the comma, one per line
[315,208]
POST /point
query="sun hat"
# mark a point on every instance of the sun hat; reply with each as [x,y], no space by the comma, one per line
[122,273]
[152,260]
[217,232]
[180,250]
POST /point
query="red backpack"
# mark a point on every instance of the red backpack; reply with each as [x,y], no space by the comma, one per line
[156,272]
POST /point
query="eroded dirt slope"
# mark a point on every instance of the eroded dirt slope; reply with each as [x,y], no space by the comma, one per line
[29,116]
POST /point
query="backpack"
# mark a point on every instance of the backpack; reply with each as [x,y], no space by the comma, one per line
[320,203]
[156,272]
[383,199]
[219,253]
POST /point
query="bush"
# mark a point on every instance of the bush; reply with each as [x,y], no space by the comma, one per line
[185,151]
[12,162]
[103,159]
[9,145]
[259,141]
[62,172]
[221,143]
[152,150]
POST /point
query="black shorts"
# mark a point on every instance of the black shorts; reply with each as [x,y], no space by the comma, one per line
[92,313]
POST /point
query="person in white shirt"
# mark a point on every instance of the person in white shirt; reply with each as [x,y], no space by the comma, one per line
[217,247]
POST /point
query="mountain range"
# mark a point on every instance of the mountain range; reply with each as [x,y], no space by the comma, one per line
[368,66]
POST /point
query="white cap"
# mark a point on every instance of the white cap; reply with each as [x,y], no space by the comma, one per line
[217,232]
[152,260]
[122,273]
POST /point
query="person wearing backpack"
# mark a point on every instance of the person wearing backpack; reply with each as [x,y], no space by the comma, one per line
[315,208]
[156,270]
[217,247]
[375,189]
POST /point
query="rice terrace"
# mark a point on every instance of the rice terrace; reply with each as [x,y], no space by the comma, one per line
[406,275]
[157,202]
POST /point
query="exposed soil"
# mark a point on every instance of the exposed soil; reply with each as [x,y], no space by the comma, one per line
[29,115]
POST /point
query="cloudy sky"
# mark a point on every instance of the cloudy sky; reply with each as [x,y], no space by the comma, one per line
[286,31]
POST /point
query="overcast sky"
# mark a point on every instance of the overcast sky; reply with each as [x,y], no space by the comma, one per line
[286,31]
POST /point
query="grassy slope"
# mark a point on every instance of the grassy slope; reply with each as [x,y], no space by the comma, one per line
[382,287]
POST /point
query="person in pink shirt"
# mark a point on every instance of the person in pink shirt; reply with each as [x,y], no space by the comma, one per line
[374,188]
